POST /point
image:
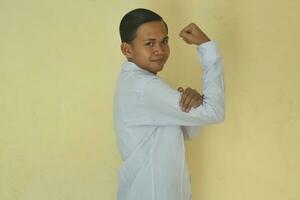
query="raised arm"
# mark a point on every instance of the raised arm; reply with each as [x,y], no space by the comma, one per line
[163,102]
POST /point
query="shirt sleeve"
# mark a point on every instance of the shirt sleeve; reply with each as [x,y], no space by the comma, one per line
[190,132]
[162,102]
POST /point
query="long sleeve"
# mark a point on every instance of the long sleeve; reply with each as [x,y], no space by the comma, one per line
[190,132]
[162,102]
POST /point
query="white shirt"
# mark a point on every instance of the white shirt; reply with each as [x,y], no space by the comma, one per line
[151,128]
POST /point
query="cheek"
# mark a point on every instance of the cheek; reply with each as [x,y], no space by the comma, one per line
[148,53]
[142,54]
[167,51]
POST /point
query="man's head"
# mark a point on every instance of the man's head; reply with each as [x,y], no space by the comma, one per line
[144,37]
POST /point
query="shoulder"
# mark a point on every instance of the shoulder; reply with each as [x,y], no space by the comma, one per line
[135,80]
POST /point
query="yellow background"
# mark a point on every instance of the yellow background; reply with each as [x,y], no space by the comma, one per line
[59,61]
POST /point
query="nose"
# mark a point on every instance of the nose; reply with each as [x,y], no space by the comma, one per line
[158,50]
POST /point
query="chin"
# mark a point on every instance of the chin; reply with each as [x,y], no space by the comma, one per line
[159,68]
[159,65]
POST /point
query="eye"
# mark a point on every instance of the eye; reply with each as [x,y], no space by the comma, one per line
[166,41]
[151,44]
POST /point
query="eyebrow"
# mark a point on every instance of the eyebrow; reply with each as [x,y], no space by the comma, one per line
[152,39]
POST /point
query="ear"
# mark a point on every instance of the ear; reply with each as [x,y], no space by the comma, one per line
[126,49]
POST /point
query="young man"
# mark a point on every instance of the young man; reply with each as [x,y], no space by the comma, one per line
[151,119]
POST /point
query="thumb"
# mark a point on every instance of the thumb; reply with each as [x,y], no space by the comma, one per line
[180,89]
[189,28]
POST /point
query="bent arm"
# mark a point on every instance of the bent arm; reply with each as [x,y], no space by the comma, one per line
[162,102]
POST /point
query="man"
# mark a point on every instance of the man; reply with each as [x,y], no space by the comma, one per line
[151,119]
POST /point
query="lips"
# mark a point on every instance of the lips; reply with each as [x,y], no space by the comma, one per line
[158,60]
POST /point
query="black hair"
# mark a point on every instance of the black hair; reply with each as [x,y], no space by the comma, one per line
[135,18]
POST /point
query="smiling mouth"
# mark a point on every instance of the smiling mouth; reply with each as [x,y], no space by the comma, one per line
[158,60]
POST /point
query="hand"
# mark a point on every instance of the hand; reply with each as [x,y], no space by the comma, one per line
[192,34]
[190,98]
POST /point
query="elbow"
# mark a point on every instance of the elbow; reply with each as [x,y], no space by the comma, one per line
[220,117]
[214,114]
[219,114]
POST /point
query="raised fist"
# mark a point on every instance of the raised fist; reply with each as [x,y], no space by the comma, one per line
[192,34]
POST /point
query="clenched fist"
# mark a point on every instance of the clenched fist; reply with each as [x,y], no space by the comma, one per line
[190,98]
[192,34]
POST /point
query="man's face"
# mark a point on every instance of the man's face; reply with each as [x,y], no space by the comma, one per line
[149,50]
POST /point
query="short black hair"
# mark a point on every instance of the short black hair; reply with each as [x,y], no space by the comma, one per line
[135,18]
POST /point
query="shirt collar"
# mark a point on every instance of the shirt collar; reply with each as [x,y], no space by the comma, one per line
[130,66]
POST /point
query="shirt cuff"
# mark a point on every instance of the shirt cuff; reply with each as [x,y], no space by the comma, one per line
[208,51]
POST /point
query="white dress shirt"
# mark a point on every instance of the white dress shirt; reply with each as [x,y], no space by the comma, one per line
[151,128]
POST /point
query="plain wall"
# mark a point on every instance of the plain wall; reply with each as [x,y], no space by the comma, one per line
[59,61]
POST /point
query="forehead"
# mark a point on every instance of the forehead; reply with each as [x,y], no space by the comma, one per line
[155,29]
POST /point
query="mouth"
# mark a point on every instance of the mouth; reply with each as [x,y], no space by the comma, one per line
[158,60]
